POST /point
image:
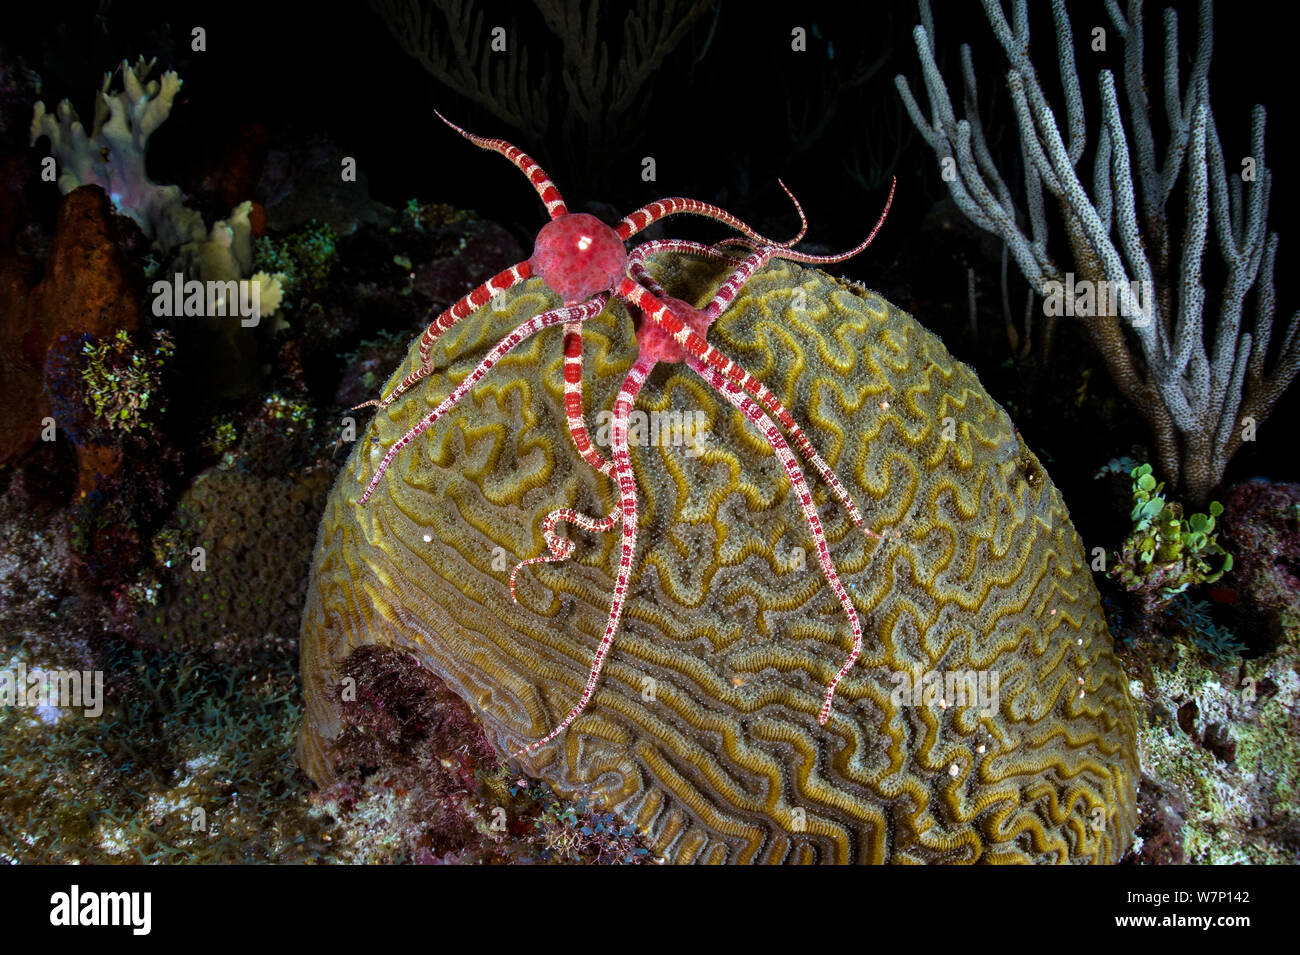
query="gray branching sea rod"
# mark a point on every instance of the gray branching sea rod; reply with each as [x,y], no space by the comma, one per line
[1201,386]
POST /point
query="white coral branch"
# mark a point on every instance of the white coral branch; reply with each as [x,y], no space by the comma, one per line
[1193,397]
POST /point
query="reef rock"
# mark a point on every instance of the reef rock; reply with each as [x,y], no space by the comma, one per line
[703,728]
[1262,531]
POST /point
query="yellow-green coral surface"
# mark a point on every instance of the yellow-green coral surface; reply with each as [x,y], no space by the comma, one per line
[703,728]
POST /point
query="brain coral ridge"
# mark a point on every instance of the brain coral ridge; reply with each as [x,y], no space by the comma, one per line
[703,728]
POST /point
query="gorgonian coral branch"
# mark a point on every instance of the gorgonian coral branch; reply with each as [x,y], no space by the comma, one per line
[1196,380]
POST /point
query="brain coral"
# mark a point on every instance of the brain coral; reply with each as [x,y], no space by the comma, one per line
[703,728]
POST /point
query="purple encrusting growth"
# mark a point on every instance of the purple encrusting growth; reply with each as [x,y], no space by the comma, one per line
[1261,528]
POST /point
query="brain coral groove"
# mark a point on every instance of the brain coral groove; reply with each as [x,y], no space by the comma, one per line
[703,728]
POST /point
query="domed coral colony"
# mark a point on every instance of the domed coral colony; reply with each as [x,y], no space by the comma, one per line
[584,261]
[703,731]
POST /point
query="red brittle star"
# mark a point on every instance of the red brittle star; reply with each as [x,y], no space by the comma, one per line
[581,259]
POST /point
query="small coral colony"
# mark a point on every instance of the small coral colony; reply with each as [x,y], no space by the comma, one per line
[585,262]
